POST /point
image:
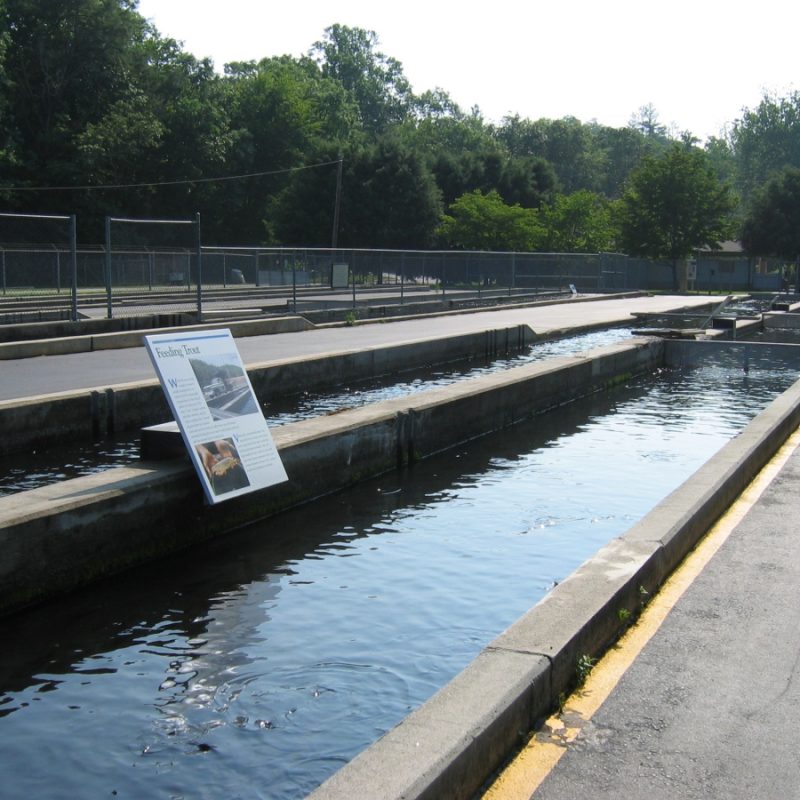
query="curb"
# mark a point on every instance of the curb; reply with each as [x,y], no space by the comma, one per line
[453,743]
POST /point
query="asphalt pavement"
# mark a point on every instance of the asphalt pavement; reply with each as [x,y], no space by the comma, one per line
[31,377]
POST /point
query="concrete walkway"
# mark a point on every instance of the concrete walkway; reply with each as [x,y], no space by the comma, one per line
[707,709]
[48,374]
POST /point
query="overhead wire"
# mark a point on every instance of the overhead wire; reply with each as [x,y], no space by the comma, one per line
[153,184]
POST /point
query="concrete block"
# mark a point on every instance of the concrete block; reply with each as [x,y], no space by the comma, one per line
[789,319]
[448,746]
[581,615]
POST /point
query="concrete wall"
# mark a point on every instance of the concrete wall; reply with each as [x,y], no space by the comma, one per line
[781,320]
[453,743]
[739,356]
[57,537]
[89,335]
[83,415]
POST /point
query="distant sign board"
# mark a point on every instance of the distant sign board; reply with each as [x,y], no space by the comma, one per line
[213,402]
[340,274]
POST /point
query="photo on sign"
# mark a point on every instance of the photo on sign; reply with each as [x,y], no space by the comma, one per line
[224,385]
[222,465]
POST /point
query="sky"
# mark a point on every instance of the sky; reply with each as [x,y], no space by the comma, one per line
[699,63]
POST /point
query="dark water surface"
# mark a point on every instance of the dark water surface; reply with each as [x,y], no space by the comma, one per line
[31,470]
[256,665]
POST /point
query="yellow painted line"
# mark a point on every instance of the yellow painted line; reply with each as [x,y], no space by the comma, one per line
[526,772]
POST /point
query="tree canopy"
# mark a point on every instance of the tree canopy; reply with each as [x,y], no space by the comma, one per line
[772,226]
[100,114]
[581,222]
[478,221]
[673,205]
[765,140]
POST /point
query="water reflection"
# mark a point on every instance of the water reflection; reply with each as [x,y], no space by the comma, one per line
[32,470]
[255,664]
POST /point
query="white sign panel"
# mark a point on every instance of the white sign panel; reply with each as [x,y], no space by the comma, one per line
[217,412]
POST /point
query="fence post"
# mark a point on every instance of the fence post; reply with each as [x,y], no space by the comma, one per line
[199,269]
[108,268]
[73,249]
[353,272]
[3,251]
[294,283]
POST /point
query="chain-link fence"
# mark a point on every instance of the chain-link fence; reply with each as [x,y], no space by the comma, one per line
[159,266]
[38,262]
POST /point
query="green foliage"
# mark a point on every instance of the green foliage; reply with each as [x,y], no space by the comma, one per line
[765,140]
[674,204]
[389,199]
[566,144]
[375,81]
[480,221]
[772,225]
[584,668]
[646,121]
[526,181]
[92,94]
[283,112]
[578,223]
[67,63]
[582,156]
[721,159]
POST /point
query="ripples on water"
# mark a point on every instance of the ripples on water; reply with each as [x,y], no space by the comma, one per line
[255,665]
[62,463]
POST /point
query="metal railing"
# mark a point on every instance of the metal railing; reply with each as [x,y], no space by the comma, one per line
[118,280]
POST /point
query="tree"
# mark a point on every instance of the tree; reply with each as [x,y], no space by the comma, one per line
[646,121]
[284,114]
[721,158]
[674,204]
[772,225]
[765,140]
[567,144]
[7,131]
[375,81]
[526,181]
[389,199]
[622,150]
[67,62]
[578,223]
[480,221]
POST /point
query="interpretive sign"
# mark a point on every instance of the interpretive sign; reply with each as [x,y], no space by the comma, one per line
[217,412]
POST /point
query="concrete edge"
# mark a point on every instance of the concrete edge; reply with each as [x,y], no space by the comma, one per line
[64,345]
[58,537]
[118,340]
[455,741]
[94,412]
[477,308]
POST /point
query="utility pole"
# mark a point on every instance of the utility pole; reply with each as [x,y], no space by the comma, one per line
[337,203]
